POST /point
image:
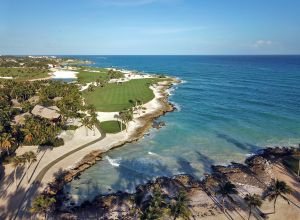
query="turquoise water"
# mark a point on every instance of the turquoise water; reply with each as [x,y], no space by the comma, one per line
[228,108]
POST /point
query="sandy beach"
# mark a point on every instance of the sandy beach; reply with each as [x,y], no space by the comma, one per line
[64,74]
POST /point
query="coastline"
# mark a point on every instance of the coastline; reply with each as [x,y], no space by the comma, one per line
[253,176]
[156,108]
[77,148]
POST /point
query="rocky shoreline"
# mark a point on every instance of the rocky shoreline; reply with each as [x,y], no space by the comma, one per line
[256,173]
[63,177]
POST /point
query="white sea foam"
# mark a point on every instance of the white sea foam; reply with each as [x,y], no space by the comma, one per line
[113,162]
[153,154]
[177,106]
[183,81]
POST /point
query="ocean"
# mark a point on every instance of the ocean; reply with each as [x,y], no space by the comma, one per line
[228,107]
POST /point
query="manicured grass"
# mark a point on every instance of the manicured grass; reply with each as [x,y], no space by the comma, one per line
[87,75]
[116,97]
[24,73]
[292,162]
[112,127]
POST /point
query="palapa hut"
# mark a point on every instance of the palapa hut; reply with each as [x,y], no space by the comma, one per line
[20,119]
[50,113]
[16,104]
[34,99]
[56,99]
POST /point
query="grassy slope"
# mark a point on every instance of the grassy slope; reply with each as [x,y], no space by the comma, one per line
[114,98]
[87,76]
[25,73]
[111,127]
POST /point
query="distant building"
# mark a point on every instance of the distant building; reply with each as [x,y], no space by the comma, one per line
[51,113]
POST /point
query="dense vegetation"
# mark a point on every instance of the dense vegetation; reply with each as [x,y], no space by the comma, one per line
[16,99]
[24,73]
[115,97]
[24,61]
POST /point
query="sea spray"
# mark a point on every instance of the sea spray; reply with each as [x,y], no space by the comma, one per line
[113,162]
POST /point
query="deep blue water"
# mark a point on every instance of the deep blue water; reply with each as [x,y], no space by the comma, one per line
[229,107]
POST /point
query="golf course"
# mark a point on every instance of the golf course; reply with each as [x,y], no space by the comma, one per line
[114,97]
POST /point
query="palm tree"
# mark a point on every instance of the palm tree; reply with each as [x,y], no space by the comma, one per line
[28,138]
[42,204]
[122,116]
[93,122]
[225,189]
[7,142]
[29,157]
[16,162]
[252,202]
[154,209]
[179,207]
[86,123]
[276,189]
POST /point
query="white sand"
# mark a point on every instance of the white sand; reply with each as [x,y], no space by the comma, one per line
[6,77]
[64,74]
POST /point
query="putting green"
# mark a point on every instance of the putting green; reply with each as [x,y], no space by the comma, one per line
[112,127]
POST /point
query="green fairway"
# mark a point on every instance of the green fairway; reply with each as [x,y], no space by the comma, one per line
[87,75]
[112,127]
[116,97]
[24,73]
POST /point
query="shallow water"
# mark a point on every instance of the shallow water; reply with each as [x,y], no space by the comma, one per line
[229,107]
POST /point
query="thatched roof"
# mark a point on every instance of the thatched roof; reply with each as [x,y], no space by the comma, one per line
[46,112]
[34,99]
[16,103]
[56,99]
[20,119]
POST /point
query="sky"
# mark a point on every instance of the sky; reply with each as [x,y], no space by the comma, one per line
[149,27]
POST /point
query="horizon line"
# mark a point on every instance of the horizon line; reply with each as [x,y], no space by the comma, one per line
[149,54]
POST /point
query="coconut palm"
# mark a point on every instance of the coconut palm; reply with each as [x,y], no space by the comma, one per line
[42,204]
[225,190]
[123,118]
[179,206]
[154,209]
[29,157]
[7,141]
[276,189]
[86,123]
[252,202]
[16,162]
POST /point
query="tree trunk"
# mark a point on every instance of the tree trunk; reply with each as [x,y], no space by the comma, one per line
[121,125]
[15,177]
[27,167]
[250,213]
[275,204]
[223,204]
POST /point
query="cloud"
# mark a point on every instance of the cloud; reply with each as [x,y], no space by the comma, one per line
[263,43]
